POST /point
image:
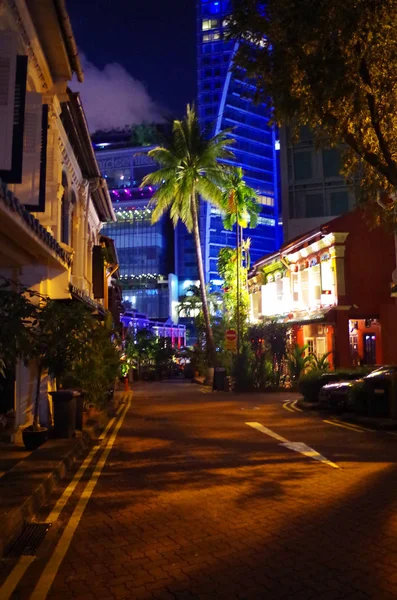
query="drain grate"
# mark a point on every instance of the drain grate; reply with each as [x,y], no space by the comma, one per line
[29,540]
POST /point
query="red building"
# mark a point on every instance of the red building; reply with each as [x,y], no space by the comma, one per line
[333,286]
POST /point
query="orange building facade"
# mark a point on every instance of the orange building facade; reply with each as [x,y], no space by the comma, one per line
[332,286]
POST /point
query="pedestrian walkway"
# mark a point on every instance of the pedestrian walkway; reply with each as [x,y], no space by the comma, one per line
[27,478]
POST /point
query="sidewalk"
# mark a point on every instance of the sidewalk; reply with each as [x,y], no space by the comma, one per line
[27,478]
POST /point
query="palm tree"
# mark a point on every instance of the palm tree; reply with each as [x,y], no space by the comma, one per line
[239,201]
[241,209]
[190,168]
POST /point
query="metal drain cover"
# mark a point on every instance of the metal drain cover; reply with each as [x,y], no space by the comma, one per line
[29,540]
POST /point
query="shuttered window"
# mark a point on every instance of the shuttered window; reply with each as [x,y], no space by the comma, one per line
[8,59]
[14,175]
[31,191]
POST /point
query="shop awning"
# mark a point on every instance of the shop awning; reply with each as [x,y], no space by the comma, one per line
[306,317]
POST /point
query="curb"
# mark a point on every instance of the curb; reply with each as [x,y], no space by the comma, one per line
[13,520]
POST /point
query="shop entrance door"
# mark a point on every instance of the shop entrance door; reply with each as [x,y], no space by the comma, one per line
[369,349]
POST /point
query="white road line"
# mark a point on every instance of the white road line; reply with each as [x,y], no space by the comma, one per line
[267,431]
[295,446]
[307,451]
[48,575]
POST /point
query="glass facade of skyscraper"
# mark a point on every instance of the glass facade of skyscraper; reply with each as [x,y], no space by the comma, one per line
[146,252]
[224,102]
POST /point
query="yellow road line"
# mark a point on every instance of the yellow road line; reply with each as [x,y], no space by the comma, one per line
[343,425]
[293,405]
[23,563]
[354,426]
[287,406]
[48,575]
[15,577]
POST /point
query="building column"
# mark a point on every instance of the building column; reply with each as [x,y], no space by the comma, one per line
[342,356]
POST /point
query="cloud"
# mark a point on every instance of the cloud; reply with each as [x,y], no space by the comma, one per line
[113,99]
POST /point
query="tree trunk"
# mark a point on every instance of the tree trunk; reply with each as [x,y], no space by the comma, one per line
[36,424]
[238,284]
[208,331]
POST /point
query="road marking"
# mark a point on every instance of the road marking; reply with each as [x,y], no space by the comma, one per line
[307,451]
[286,405]
[344,426]
[295,407]
[295,446]
[269,432]
[48,575]
[15,577]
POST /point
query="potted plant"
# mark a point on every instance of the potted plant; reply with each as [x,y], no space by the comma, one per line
[18,318]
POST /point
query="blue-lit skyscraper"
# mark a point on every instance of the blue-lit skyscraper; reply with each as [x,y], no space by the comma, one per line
[223,102]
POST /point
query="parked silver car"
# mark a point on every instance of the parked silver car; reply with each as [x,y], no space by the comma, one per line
[340,394]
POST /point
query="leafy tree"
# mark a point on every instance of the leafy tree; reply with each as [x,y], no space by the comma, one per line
[321,363]
[145,134]
[190,169]
[17,313]
[236,297]
[298,361]
[331,65]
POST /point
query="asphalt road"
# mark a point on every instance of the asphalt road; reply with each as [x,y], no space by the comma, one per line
[203,495]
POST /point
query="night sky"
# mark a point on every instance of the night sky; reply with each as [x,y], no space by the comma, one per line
[154,40]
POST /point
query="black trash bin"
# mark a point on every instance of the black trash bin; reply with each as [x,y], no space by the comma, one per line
[219,379]
[64,403]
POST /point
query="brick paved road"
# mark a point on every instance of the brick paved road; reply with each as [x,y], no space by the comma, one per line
[194,504]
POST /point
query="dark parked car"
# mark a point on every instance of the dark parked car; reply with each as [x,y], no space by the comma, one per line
[373,390]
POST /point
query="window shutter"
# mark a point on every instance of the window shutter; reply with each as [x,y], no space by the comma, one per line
[98,272]
[8,60]
[15,174]
[31,191]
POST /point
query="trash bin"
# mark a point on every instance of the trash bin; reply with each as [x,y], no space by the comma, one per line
[219,379]
[64,403]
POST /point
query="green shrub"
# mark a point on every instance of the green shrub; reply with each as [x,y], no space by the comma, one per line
[243,370]
[311,383]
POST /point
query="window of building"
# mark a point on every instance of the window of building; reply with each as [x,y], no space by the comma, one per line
[266,200]
[210,24]
[279,287]
[65,220]
[303,165]
[295,287]
[310,345]
[339,203]
[314,205]
[305,134]
[215,8]
[305,287]
[331,163]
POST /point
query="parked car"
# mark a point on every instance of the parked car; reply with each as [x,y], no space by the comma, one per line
[373,390]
